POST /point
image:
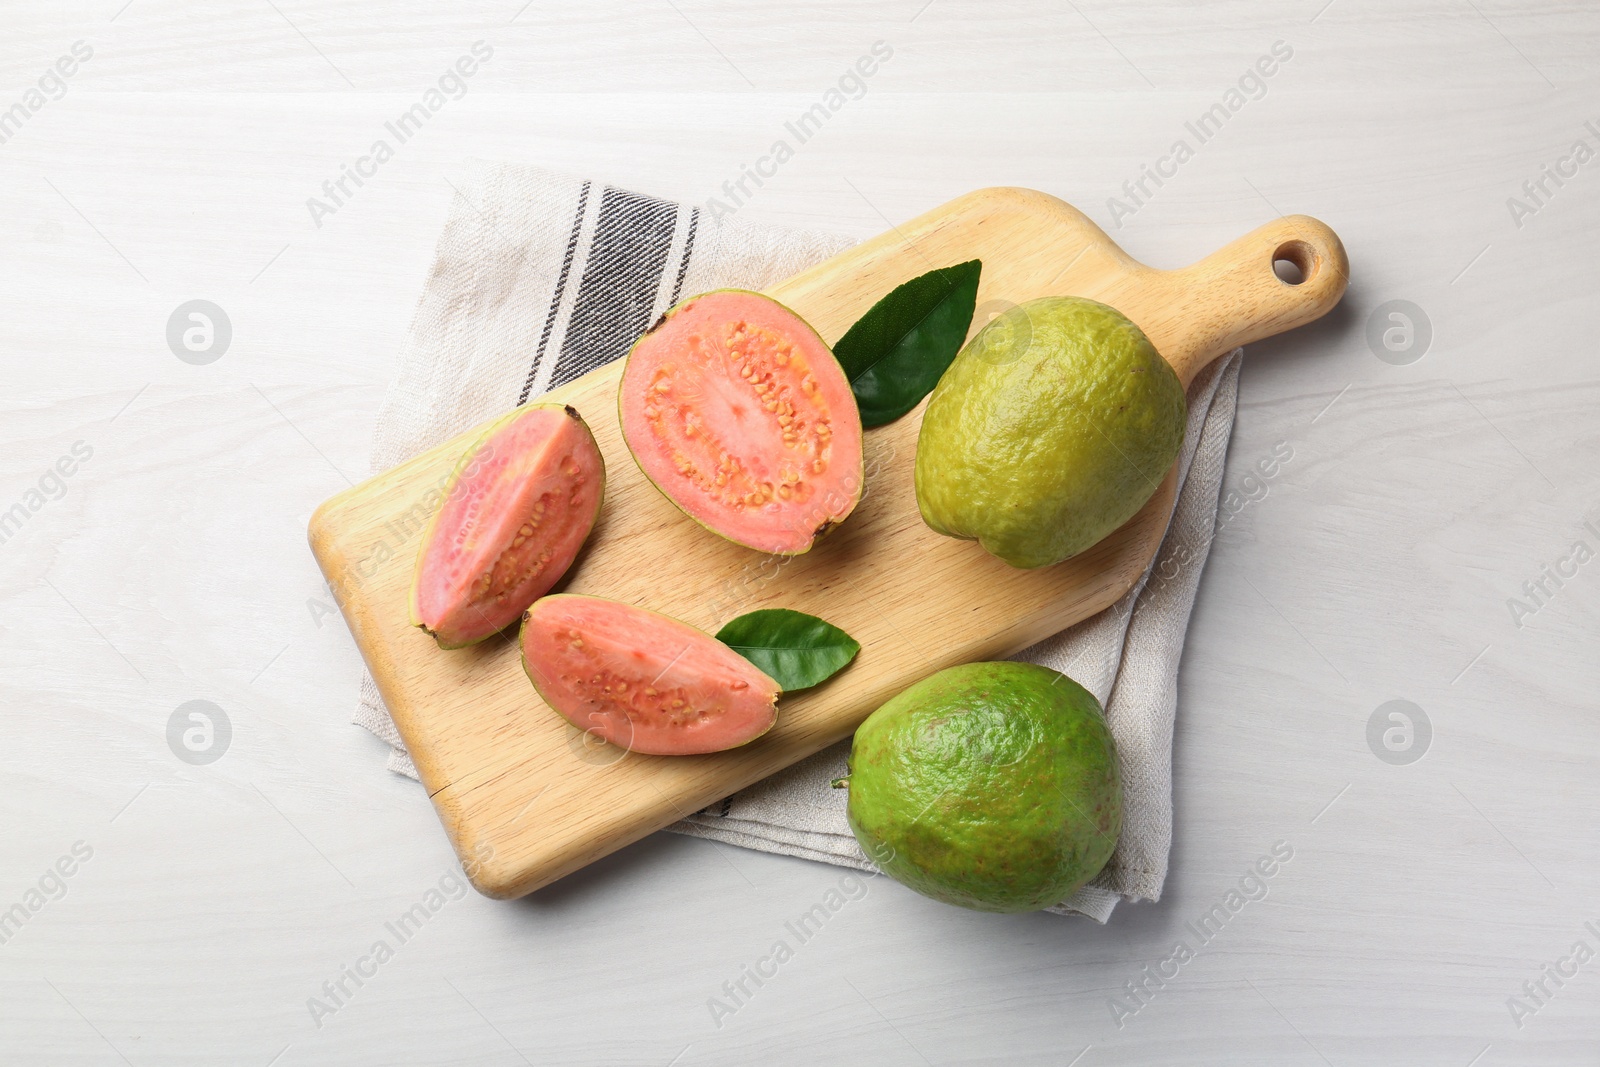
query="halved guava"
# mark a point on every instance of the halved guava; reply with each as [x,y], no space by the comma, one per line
[738,412]
[642,680]
[515,512]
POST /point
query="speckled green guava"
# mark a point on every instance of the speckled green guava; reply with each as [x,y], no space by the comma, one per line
[1051,428]
[991,785]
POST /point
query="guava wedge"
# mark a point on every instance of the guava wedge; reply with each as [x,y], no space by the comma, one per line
[517,508]
[991,786]
[738,412]
[641,680]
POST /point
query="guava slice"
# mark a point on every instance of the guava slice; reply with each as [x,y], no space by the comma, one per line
[738,412]
[515,512]
[641,680]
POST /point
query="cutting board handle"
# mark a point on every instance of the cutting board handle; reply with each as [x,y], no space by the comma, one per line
[1235,296]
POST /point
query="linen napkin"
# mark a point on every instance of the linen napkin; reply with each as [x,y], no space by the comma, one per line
[540,277]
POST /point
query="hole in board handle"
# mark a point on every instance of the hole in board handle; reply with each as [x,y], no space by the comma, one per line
[1294,262]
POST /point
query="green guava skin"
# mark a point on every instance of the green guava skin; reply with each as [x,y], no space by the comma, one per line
[991,786]
[1051,428]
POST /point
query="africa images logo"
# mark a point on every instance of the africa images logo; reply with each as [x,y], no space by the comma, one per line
[803,127]
[1251,85]
[451,85]
[52,82]
[51,485]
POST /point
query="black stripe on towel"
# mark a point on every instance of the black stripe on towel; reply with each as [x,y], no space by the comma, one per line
[688,250]
[555,300]
[620,281]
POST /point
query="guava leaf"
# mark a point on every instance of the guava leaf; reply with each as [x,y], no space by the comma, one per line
[895,354]
[795,649]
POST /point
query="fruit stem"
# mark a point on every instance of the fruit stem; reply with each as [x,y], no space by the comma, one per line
[841,783]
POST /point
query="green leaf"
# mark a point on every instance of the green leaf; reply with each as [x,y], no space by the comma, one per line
[795,649]
[895,354]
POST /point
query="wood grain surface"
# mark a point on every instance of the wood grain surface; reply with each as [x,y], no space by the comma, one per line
[526,800]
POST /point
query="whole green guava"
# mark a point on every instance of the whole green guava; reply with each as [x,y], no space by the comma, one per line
[992,786]
[1051,428]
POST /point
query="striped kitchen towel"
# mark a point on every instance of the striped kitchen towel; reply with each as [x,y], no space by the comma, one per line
[539,278]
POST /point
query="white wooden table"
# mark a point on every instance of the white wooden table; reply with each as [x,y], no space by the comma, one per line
[207,903]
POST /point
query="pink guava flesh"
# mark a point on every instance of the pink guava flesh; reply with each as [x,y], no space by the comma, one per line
[641,680]
[515,512]
[738,412]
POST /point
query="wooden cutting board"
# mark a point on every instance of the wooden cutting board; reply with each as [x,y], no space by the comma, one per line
[527,798]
